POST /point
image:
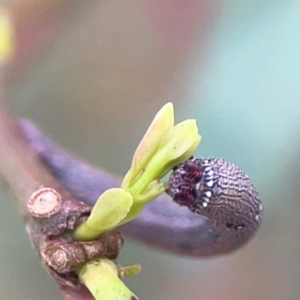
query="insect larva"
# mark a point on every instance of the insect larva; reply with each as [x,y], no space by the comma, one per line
[218,190]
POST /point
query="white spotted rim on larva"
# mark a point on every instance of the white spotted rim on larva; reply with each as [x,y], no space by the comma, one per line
[44,203]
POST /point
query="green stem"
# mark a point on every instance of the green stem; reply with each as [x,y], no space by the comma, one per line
[101,278]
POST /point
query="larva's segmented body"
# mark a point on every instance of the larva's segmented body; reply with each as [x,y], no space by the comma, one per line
[218,190]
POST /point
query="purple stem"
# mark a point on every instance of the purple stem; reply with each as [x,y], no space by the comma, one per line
[162,224]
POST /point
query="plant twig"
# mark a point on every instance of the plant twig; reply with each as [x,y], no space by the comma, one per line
[24,173]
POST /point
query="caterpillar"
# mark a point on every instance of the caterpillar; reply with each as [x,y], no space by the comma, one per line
[218,190]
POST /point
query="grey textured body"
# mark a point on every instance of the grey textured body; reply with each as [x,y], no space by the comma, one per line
[234,202]
[223,193]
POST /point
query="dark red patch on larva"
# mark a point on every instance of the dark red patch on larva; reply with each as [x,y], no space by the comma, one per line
[184,195]
[192,173]
[182,182]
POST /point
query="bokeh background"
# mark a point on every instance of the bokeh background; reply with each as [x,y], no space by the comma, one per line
[92,74]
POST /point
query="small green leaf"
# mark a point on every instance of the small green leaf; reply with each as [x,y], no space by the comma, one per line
[180,144]
[129,270]
[110,209]
[162,123]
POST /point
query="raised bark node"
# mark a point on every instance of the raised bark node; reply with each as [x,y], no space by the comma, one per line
[44,203]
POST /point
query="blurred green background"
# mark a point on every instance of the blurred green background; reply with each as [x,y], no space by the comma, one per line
[95,85]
